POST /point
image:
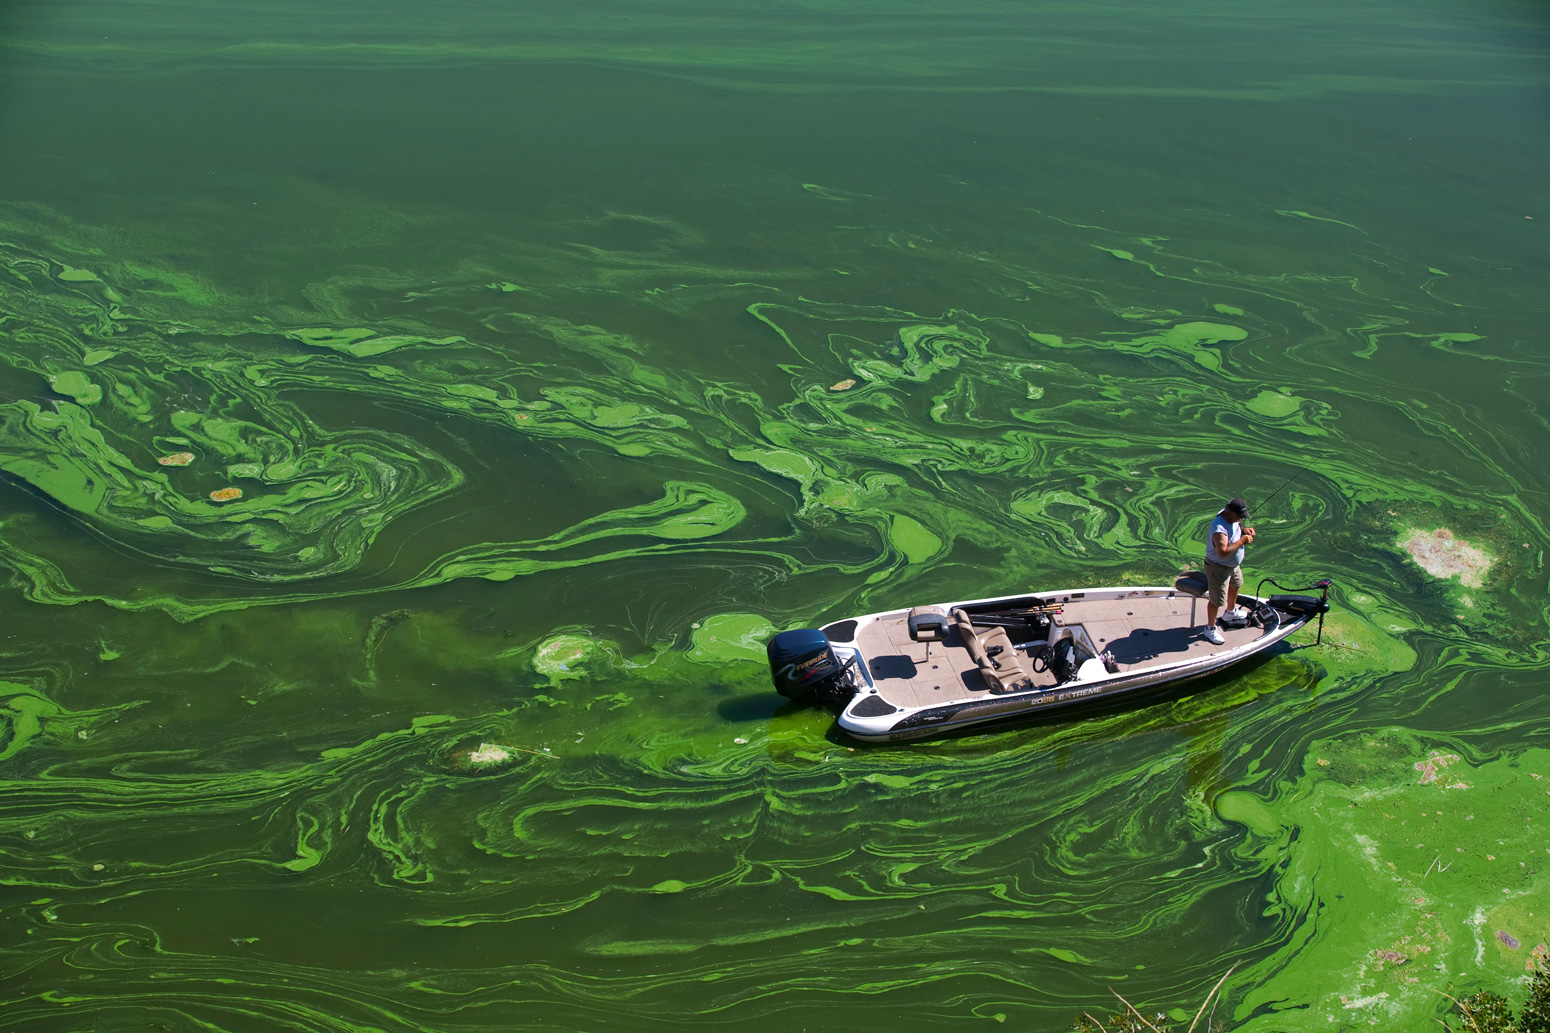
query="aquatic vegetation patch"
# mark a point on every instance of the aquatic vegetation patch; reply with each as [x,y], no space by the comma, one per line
[489,753]
[562,656]
[29,717]
[1362,638]
[1443,555]
[1442,873]
[729,638]
[1275,404]
[1488,1012]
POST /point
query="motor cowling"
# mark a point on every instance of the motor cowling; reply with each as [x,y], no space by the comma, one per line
[803,666]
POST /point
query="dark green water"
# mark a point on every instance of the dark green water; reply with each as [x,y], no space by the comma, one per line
[516,327]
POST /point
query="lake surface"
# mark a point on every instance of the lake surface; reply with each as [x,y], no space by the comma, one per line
[522,331]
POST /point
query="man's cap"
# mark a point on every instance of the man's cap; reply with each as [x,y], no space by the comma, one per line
[1237,506]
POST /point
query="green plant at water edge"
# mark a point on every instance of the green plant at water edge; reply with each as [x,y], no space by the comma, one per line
[1536,1010]
[1486,1012]
[1483,1012]
[1132,1021]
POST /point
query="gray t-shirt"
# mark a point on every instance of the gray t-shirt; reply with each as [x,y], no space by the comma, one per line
[1219,523]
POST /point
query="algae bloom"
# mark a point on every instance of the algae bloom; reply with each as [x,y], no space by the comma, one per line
[559,655]
[1443,555]
[489,753]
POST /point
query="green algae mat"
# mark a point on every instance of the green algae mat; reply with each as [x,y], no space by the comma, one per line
[415,418]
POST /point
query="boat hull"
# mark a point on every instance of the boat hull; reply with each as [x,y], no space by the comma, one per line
[888,709]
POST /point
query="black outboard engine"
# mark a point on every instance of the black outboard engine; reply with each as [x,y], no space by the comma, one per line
[803,666]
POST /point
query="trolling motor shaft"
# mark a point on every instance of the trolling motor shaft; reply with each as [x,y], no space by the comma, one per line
[1302,606]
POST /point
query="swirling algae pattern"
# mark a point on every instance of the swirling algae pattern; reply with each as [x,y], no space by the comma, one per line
[316,499]
[455,719]
[659,862]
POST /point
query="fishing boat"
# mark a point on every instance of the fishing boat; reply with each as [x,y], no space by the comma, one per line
[934,669]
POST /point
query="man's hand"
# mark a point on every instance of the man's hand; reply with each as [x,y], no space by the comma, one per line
[1248,534]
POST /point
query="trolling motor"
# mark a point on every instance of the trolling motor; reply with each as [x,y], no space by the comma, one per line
[1300,607]
[803,666]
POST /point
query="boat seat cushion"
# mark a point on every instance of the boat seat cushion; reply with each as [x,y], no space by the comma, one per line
[928,624]
[964,625]
[1006,671]
[1191,582]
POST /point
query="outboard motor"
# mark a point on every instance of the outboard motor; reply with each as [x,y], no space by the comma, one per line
[803,666]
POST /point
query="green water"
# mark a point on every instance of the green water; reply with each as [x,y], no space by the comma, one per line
[518,327]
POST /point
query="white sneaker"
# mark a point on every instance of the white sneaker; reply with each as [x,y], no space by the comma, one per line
[1213,635]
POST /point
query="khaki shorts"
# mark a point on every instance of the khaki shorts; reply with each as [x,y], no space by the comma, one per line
[1218,577]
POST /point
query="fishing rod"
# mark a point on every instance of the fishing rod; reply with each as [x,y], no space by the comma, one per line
[1308,605]
[1300,471]
[1284,485]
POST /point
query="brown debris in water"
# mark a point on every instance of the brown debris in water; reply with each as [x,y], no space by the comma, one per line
[844,385]
[1432,766]
[1442,555]
[177,459]
[225,494]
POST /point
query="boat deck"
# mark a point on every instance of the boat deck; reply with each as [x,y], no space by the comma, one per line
[1138,632]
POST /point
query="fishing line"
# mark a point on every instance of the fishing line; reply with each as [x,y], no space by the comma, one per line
[1300,471]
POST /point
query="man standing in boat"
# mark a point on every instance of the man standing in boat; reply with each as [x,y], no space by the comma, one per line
[1224,563]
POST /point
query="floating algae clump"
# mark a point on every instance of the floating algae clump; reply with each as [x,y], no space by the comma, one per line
[489,753]
[730,636]
[1189,340]
[910,537]
[1275,404]
[1402,870]
[77,386]
[487,757]
[1362,638]
[1442,555]
[560,655]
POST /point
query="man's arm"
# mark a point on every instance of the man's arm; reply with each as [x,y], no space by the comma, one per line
[1225,548]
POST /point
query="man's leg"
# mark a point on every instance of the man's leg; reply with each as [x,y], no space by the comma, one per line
[1233,584]
[1216,592]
